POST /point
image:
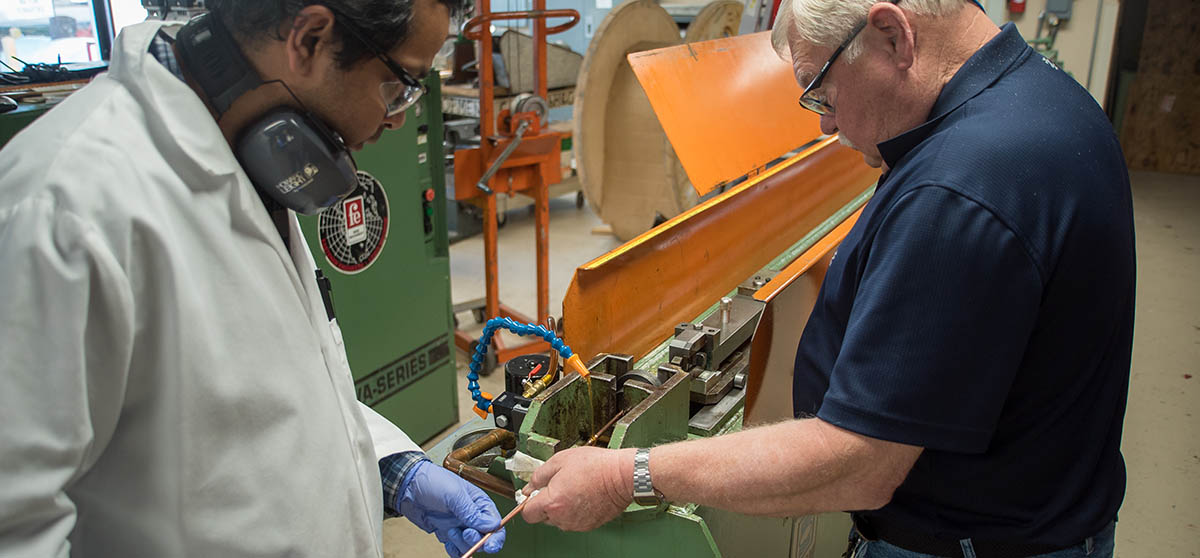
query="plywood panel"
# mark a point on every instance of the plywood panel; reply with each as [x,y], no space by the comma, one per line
[717,20]
[1162,127]
[516,48]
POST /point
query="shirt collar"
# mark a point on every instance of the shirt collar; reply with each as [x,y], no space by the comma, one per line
[174,112]
[987,65]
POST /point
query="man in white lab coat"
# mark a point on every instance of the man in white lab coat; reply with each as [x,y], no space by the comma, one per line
[170,382]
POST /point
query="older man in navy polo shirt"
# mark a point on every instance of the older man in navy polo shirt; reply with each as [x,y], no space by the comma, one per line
[962,379]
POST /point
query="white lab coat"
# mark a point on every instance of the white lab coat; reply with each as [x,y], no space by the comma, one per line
[169,383]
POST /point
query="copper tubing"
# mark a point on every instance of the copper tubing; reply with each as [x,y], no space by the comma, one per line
[595,437]
[553,354]
[503,522]
[456,462]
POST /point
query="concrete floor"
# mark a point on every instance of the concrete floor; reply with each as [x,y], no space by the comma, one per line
[1161,513]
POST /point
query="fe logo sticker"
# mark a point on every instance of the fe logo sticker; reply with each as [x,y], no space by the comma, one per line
[354,231]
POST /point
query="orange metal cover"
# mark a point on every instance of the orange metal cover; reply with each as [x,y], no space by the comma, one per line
[630,299]
[729,106]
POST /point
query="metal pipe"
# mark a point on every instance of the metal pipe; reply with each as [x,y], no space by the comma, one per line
[1095,43]
[539,385]
[487,122]
[604,428]
[539,50]
[457,460]
[487,129]
[551,325]
[474,28]
[726,304]
[491,272]
[541,197]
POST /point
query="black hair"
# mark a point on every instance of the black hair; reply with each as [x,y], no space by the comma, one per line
[383,22]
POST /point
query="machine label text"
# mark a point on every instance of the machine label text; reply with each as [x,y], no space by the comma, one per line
[392,377]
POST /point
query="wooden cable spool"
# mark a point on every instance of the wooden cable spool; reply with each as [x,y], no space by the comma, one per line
[717,20]
[626,165]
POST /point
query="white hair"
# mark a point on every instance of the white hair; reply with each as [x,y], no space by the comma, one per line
[826,23]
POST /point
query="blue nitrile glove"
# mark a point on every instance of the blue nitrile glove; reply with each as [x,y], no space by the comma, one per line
[445,504]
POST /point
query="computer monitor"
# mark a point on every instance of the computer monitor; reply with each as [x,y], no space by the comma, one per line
[77,33]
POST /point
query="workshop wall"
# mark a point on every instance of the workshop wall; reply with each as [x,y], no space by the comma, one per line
[1085,42]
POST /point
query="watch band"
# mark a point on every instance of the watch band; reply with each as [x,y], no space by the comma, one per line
[644,493]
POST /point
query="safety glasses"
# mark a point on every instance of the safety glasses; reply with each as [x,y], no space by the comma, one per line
[397,95]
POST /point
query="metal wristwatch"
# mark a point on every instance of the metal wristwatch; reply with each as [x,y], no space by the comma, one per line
[644,493]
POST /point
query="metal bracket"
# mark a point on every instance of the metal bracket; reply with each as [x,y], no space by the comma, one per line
[508,150]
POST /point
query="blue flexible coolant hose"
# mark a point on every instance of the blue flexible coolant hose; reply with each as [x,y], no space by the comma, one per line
[482,403]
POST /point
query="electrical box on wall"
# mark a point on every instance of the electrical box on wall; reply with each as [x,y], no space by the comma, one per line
[1060,8]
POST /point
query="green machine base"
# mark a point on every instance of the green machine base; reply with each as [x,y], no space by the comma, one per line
[691,386]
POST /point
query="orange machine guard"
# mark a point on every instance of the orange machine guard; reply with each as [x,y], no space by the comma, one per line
[630,299]
[789,297]
[737,85]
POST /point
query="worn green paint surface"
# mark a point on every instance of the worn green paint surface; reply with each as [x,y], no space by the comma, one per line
[659,419]
[554,423]
[673,533]
[559,417]
[395,315]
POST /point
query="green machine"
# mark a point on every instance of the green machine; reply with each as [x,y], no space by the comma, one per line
[691,386]
[385,254]
[16,120]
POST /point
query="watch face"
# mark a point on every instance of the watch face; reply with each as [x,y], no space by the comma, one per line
[648,501]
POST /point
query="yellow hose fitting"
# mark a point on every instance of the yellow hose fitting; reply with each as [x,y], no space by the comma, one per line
[539,385]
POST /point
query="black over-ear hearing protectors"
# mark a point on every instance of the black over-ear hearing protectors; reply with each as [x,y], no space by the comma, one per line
[289,154]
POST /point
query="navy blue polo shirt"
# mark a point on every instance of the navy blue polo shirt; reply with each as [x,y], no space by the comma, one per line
[982,308]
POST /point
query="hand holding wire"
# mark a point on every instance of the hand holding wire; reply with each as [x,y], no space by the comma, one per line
[520,506]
